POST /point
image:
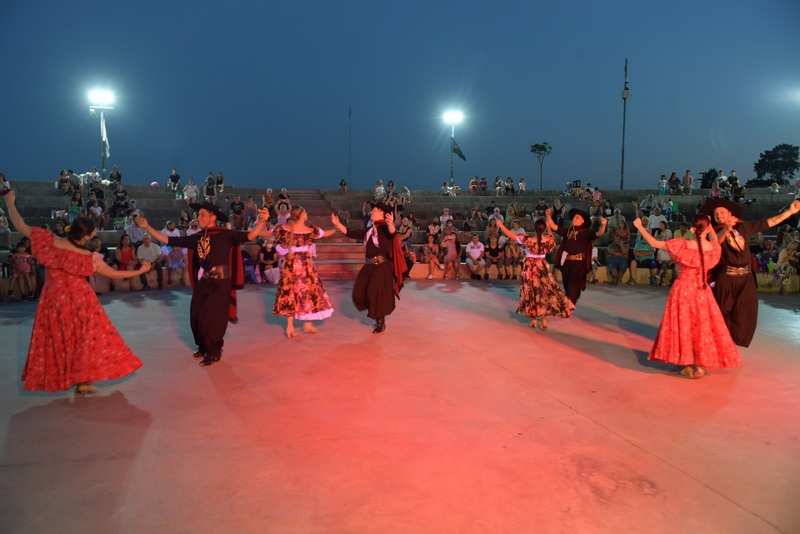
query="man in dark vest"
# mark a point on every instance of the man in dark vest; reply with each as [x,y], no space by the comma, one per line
[215,268]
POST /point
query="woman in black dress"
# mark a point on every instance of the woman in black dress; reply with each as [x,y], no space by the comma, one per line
[734,278]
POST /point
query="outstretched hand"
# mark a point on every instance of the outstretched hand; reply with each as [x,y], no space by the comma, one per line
[795,206]
[11,197]
[145,267]
[389,218]
[141,221]
[335,219]
[637,222]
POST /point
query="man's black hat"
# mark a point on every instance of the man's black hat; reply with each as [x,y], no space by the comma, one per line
[382,206]
[577,211]
[737,210]
[208,206]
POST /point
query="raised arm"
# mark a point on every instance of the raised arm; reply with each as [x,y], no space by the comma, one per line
[14,216]
[337,223]
[389,218]
[143,223]
[794,208]
[511,235]
[603,225]
[102,268]
[652,241]
[548,219]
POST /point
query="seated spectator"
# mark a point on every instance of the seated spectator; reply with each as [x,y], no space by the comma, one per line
[191,193]
[683,232]
[405,196]
[237,213]
[150,252]
[664,260]
[126,261]
[473,185]
[283,209]
[647,204]
[174,261]
[643,256]
[618,253]
[432,255]
[494,256]
[452,253]
[787,264]
[268,263]
[171,230]
[475,258]
[23,276]
[194,227]
[343,186]
[445,216]
[492,230]
[655,219]
[174,181]
[62,182]
[96,210]
[135,233]
[540,209]
[267,201]
[4,226]
[496,214]
[477,219]
[509,186]
[75,206]
[512,257]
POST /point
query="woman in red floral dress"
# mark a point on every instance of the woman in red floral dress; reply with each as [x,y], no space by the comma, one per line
[540,295]
[300,293]
[693,333]
[73,342]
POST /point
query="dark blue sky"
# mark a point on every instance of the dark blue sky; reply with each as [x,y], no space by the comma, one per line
[261,89]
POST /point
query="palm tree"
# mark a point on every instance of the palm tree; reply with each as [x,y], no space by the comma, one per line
[541,150]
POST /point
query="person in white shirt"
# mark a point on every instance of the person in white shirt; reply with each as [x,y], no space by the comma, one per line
[688,182]
[522,187]
[475,259]
[191,192]
[150,252]
[721,176]
[171,230]
[655,220]
[135,233]
[380,191]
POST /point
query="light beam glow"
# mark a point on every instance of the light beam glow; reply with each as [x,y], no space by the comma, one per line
[452,117]
[101,98]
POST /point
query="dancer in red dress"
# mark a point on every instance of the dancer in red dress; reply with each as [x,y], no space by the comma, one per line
[73,342]
[693,333]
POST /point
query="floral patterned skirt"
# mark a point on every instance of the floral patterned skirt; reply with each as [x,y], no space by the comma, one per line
[300,292]
[540,295]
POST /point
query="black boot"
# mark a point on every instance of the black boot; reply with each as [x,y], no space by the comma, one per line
[380,326]
[209,359]
[198,354]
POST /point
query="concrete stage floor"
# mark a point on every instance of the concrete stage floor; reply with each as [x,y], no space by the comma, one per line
[458,419]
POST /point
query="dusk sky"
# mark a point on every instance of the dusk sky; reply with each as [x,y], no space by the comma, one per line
[260,90]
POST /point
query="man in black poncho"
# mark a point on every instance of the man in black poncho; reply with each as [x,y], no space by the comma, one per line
[379,281]
[734,278]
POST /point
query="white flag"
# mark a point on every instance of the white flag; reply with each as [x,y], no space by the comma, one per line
[104,136]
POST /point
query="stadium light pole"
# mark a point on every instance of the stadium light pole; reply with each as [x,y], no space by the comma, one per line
[451,118]
[102,100]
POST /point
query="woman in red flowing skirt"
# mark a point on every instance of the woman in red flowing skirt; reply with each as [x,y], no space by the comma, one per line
[73,342]
[693,333]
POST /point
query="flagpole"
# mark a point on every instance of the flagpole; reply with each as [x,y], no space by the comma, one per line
[452,151]
[349,142]
[102,146]
[626,93]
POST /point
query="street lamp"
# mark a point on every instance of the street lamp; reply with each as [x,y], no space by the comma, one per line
[451,118]
[102,100]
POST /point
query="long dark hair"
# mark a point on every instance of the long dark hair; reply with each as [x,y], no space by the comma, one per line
[700,223]
[80,228]
[539,227]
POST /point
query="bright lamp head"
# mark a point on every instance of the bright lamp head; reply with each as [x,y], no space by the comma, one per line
[452,117]
[101,99]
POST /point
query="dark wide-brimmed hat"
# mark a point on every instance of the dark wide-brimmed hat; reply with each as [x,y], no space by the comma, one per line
[577,211]
[208,206]
[737,210]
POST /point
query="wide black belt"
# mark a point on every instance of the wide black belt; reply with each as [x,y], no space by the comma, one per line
[376,260]
[737,271]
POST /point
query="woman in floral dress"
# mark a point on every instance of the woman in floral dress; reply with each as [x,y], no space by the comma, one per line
[300,293]
[693,333]
[73,342]
[540,295]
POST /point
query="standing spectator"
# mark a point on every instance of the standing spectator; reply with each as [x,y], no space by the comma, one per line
[452,253]
[475,258]
[674,183]
[283,209]
[343,186]
[219,180]
[210,189]
[522,187]
[237,213]
[267,201]
[509,186]
[445,216]
[662,185]
[250,212]
[174,181]
[191,193]
[473,185]
[23,278]
[379,192]
[618,253]
[116,175]
[484,185]
[688,182]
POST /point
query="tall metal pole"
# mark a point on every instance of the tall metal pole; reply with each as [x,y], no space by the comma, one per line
[102,148]
[626,93]
[452,146]
[349,142]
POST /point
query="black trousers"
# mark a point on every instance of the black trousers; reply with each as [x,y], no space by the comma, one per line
[373,290]
[573,275]
[737,297]
[208,314]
